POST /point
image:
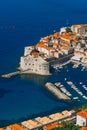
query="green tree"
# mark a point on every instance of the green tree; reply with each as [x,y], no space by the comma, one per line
[40,128]
[69,127]
[85,38]
[84,106]
[64,123]
[68,29]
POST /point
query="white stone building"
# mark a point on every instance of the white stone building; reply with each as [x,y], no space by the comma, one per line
[33,63]
[82,118]
[48,51]
[63,29]
[44,50]
[80,29]
[28,50]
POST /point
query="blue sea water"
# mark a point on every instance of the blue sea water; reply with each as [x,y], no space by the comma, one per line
[23,23]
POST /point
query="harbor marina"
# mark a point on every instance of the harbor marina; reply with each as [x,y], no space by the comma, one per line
[71,84]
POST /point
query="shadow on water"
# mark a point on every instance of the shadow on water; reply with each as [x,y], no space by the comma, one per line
[37,79]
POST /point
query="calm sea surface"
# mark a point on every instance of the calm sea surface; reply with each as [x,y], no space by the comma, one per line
[23,23]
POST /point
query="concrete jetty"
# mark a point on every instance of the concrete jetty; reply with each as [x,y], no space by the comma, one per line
[10,74]
[52,88]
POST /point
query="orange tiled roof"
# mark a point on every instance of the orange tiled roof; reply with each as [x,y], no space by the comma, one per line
[83,128]
[45,39]
[85,58]
[80,52]
[83,113]
[48,48]
[52,126]
[56,35]
[41,44]
[65,42]
[66,37]
[15,127]
[56,44]
[35,53]
[75,40]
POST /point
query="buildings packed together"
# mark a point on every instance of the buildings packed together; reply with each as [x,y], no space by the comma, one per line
[53,50]
[68,44]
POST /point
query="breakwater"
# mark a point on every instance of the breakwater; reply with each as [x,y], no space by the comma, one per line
[52,88]
[10,74]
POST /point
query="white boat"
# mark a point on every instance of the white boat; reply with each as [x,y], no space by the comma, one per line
[65,79]
[69,94]
[69,82]
[58,84]
[75,88]
[64,90]
[60,67]
[83,69]
[85,87]
[80,83]
[84,97]
[61,85]
[80,93]
[75,98]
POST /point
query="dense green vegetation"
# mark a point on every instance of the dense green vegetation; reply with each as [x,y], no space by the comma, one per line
[65,127]
[40,128]
[68,29]
[85,38]
[69,127]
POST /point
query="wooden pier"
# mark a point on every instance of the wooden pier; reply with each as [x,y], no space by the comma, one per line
[10,74]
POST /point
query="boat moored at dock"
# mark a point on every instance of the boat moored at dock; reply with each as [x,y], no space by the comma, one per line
[77,90]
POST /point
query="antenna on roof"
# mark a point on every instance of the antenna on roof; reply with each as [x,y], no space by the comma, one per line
[54,31]
[67,22]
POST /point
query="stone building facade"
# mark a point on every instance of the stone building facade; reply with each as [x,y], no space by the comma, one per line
[34,64]
[82,118]
[80,29]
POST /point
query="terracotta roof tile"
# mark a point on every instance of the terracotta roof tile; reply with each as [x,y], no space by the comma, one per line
[83,128]
[52,126]
[83,113]
[15,127]
[35,53]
